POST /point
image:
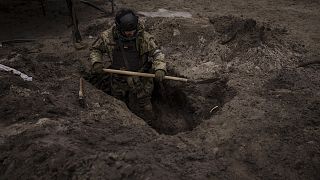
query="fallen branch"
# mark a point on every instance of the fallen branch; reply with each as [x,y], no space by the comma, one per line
[94,6]
[16,72]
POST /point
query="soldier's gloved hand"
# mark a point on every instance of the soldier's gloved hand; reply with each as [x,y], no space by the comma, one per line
[97,68]
[159,75]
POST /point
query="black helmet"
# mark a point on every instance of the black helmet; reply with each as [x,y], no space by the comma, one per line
[126,20]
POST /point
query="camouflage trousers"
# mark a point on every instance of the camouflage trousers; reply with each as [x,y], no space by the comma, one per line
[136,92]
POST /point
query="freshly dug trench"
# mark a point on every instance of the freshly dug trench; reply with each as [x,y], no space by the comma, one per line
[179,107]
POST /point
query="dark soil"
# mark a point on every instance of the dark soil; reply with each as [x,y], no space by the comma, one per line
[253,113]
[180,107]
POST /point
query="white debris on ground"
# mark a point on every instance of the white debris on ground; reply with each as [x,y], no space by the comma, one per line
[166,13]
[16,72]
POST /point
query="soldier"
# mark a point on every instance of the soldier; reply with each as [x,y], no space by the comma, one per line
[129,47]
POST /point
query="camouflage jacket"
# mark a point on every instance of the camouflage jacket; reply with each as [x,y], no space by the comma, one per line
[145,44]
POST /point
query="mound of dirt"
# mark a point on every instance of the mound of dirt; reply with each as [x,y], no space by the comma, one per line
[252,113]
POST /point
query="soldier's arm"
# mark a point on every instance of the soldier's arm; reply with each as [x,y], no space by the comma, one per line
[154,51]
[100,47]
[97,50]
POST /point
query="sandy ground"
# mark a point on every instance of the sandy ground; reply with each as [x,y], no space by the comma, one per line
[267,116]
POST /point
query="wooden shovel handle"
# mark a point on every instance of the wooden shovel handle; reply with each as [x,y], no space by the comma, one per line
[81,94]
[149,75]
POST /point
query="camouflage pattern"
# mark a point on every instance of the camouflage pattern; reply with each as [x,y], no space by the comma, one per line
[135,91]
[145,43]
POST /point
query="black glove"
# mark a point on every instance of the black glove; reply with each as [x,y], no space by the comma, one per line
[97,68]
[159,75]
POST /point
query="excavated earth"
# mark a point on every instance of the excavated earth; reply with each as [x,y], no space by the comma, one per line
[252,111]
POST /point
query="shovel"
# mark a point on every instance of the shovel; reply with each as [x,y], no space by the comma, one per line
[81,94]
[149,75]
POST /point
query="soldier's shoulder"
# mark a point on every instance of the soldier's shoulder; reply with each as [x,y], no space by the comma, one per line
[146,35]
[107,35]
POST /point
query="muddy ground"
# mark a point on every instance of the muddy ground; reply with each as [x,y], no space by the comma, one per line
[255,116]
